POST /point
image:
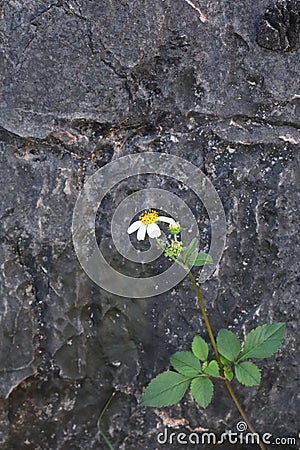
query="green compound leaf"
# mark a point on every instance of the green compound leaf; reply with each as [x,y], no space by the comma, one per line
[190,249]
[263,341]
[228,344]
[186,363]
[202,390]
[199,259]
[166,389]
[200,348]
[247,373]
[212,369]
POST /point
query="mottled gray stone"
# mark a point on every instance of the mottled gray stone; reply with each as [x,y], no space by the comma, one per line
[83,83]
[280,27]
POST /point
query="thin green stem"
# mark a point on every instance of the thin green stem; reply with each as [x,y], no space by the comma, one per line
[107,441]
[214,344]
[205,317]
[160,244]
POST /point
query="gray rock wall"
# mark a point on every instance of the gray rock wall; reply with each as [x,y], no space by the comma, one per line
[83,83]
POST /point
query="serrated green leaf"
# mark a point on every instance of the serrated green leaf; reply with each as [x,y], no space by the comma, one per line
[190,249]
[247,373]
[200,348]
[202,390]
[199,259]
[228,374]
[166,389]
[212,369]
[186,363]
[228,344]
[263,341]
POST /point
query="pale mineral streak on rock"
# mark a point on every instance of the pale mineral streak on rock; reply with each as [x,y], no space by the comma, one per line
[203,18]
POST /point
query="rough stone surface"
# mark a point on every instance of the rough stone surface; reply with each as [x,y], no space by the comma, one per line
[279,29]
[83,83]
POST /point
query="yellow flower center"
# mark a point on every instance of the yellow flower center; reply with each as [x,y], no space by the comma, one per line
[149,217]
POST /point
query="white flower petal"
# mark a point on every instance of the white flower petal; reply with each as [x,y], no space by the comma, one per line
[141,232]
[134,226]
[153,230]
[166,219]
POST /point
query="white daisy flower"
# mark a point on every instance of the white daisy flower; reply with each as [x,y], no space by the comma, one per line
[147,224]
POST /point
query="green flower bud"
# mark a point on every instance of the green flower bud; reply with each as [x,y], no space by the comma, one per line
[174,228]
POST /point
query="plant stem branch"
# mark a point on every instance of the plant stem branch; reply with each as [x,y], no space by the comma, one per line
[107,441]
[203,311]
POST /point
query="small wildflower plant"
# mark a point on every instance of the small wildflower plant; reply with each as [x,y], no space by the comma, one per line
[198,369]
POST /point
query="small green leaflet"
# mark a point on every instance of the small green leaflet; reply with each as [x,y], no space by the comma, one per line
[247,373]
[228,374]
[199,259]
[228,344]
[212,369]
[186,363]
[202,390]
[166,389]
[200,348]
[224,361]
[263,341]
